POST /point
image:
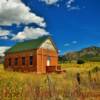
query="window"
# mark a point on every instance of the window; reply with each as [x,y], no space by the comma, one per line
[16,61]
[31,60]
[9,61]
[49,58]
[23,60]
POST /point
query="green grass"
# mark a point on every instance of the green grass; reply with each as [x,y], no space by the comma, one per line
[30,86]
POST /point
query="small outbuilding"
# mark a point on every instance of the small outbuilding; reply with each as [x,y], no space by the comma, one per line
[37,55]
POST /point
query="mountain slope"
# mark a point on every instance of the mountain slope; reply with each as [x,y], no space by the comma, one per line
[90,53]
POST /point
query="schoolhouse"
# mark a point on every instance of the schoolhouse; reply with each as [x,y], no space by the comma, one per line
[38,55]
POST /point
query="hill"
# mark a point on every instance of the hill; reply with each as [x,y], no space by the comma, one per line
[88,54]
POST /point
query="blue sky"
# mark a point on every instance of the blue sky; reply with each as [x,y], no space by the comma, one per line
[73,24]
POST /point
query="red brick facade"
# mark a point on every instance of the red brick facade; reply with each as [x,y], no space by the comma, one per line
[40,57]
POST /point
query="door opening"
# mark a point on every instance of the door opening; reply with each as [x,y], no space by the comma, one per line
[48,61]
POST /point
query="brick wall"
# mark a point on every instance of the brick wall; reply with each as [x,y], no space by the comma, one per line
[39,60]
[42,55]
[19,66]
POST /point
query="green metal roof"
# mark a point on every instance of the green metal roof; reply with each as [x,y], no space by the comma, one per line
[27,45]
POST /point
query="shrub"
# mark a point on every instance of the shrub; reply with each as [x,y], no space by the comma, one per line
[95,69]
[80,61]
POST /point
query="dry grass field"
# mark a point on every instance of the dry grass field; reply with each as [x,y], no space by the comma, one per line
[77,82]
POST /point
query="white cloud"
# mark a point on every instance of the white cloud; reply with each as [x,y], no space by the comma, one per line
[67,44]
[70,5]
[74,8]
[16,12]
[4,32]
[3,49]
[70,2]
[59,51]
[4,37]
[74,42]
[30,33]
[50,2]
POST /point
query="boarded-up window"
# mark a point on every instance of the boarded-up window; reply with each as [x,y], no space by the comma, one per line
[16,61]
[31,60]
[23,60]
[9,61]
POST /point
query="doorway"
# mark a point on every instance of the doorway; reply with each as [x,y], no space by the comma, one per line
[48,61]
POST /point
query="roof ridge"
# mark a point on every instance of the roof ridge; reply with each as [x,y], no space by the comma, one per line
[34,39]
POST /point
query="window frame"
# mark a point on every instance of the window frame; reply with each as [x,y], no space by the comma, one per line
[23,60]
[30,60]
[16,61]
[9,62]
